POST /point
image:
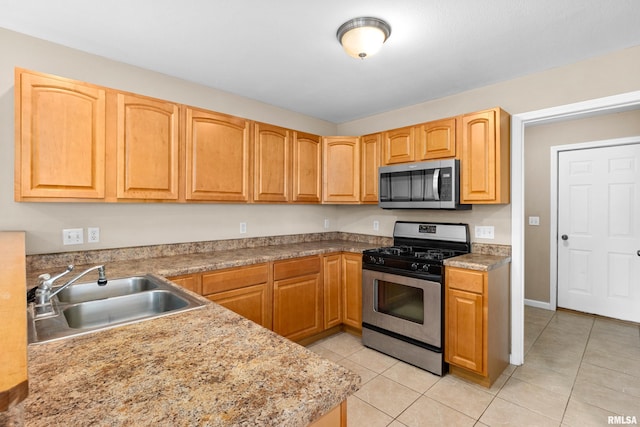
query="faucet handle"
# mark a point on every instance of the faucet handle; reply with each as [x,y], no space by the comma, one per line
[48,282]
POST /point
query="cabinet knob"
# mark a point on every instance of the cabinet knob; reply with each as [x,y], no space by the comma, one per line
[565,237]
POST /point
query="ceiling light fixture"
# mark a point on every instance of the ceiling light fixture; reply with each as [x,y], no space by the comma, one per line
[363,37]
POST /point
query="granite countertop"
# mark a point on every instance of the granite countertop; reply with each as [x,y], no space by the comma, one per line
[207,366]
[477,261]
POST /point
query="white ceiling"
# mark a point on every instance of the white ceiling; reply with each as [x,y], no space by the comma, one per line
[285,52]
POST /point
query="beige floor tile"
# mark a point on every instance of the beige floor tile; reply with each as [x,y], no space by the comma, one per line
[503,413]
[610,379]
[373,360]
[566,366]
[387,396]
[460,395]
[617,328]
[605,398]
[396,423]
[344,344]
[366,375]
[579,414]
[409,376]
[535,398]
[360,413]
[575,323]
[426,412]
[609,358]
[544,378]
[325,352]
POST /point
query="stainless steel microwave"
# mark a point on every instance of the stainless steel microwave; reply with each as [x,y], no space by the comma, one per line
[422,185]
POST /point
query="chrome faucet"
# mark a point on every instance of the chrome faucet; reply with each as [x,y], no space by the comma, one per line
[43,295]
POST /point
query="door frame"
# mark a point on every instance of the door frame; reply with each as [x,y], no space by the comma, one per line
[606,105]
[553,203]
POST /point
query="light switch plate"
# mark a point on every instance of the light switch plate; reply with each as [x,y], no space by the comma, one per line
[72,236]
[376,225]
[243,228]
[534,220]
[485,232]
[93,234]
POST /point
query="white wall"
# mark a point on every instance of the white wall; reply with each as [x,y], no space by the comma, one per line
[124,225]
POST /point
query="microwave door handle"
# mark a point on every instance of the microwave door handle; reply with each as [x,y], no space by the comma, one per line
[436,186]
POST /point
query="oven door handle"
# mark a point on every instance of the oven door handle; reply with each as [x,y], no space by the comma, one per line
[436,184]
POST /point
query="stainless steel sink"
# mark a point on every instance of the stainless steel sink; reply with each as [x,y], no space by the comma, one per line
[86,307]
[91,291]
[120,309]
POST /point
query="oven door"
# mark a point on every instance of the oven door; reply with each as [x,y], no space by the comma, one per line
[406,306]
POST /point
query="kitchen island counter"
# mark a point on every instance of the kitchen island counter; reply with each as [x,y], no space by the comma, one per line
[208,366]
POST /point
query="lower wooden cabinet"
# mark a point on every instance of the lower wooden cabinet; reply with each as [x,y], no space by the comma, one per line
[477,323]
[297,298]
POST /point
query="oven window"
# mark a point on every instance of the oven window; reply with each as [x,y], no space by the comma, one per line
[404,302]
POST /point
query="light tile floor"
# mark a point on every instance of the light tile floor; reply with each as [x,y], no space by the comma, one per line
[578,371]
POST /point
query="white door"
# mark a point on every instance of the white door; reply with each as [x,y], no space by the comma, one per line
[599,231]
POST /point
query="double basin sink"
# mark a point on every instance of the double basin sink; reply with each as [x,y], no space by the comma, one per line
[86,307]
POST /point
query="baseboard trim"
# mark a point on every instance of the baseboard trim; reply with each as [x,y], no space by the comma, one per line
[539,304]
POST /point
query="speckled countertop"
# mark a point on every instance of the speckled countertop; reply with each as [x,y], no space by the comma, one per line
[208,366]
[477,261]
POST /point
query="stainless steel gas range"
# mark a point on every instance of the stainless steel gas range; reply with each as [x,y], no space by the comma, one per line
[403,292]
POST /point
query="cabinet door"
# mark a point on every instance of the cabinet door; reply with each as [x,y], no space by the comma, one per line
[252,302]
[436,140]
[217,157]
[352,282]
[297,307]
[485,157]
[272,165]
[188,281]
[60,138]
[307,168]
[332,290]
[369,164]
[465,323]
[147,148]
[398,145]
[341,169]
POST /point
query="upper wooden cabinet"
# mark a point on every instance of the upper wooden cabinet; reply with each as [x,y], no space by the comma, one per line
[484,160]
[60,138]
[217,163]
[398,145]
[341,169]
[148,141]
[307,168]
[436,140]
[272,163]
[369,164]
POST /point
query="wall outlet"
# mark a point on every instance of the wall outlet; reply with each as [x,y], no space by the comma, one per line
[72,236]
[484,231]
[326,223]
[243,228]
[93,234]
[534,220]
[376,225]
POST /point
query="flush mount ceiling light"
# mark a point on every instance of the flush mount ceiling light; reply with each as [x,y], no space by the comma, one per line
[363,37]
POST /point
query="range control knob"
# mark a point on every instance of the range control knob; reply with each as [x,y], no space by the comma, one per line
[425,268]
[414,266]
[381,261]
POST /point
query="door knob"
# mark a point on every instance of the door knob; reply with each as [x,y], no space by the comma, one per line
[565,237]
[638,253]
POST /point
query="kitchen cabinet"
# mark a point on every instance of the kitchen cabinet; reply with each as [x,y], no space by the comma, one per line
[298,297]
[217,162]
[477,323]
[13,329]
[244,290]
[60,139]
[352,290]
[191,282]
[398,145]
[307,168]
[485,158]
[333,298]
[369,164]
[272,164]
[341,169]
[436,140]
[147,139]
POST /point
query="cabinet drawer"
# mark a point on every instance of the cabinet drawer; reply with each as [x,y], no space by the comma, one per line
[296,267]
[234,278]
[465,280]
